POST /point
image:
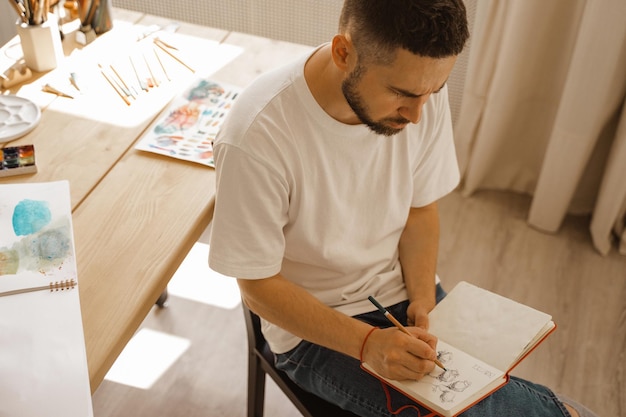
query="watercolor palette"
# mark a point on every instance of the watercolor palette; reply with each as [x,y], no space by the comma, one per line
[187,128]
[18,116]
[17,160]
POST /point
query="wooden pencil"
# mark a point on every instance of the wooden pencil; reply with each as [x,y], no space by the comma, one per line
[398,325]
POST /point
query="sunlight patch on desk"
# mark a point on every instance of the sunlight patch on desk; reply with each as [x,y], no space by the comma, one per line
[131,60]
[147,356]
[195,281]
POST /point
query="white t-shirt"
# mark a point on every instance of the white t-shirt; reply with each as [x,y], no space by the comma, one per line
[321,202]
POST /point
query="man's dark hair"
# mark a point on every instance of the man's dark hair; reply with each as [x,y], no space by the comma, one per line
[430,28]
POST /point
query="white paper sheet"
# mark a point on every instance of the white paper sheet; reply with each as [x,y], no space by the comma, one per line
[43,364]
[486,325]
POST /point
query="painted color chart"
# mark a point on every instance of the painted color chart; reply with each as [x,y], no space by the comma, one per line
[188,126]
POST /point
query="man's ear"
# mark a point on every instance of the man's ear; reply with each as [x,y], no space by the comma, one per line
[342,52]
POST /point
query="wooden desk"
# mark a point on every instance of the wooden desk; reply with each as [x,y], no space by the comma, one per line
[135,214]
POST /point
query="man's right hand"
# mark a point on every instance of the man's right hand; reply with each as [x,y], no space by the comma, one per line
[396,355]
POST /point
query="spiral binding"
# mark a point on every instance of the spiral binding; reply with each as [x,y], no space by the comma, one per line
[68,284]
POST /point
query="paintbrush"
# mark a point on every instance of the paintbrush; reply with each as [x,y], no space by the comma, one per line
[19,8]
[152,77]
[142,84]
[124,86]
[91,11]
[165,47]
[161,64]
[50,89]
[115,87]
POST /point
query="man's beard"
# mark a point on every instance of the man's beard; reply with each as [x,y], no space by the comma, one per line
[355,101]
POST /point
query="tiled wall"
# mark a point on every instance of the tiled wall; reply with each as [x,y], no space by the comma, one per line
[308,22]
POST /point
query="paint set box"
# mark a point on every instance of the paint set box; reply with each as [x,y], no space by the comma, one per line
[17,160]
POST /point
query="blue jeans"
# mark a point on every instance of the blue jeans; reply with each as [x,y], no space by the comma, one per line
[340,380]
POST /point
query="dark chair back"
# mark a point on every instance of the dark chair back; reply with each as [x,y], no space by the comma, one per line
[261,362]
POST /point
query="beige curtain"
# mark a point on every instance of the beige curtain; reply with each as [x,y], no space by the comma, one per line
[543,110]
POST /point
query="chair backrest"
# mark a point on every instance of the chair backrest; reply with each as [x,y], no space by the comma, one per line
[261,362]
[256,340]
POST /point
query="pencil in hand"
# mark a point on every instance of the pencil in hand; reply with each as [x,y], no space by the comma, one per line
[398,324]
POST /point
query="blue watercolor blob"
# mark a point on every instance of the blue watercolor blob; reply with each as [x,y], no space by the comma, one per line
[52,245]
[30,216]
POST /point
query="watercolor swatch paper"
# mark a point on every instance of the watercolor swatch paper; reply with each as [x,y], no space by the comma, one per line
[43,364]
[188,126]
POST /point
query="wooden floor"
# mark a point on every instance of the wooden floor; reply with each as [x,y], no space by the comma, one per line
[485,240]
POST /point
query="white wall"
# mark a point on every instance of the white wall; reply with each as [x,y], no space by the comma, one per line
[8,17]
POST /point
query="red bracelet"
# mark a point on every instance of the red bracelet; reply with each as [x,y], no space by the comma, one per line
[364,341]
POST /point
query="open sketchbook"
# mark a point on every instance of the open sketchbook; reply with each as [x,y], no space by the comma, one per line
[43,363]
[190,123]
[482,336]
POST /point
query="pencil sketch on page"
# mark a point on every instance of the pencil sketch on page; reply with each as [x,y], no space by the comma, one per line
[464,376]
[448,382]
